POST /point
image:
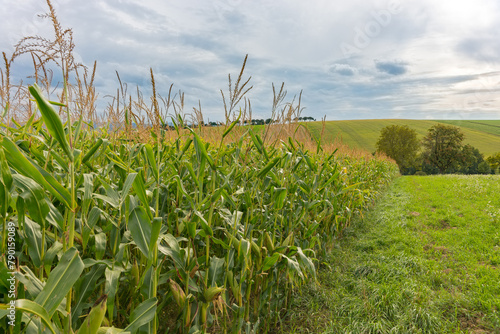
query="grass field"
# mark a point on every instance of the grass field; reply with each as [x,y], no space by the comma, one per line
[425,260]
[484,135]
[492,127]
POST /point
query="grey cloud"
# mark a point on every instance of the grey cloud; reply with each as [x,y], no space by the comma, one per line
[481,48]
[343,69]
[392,67]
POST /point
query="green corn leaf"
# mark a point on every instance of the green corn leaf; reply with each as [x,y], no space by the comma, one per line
[228,198]
[172,250]
[268,167]
[5,111]
[266,155]
[34,241]
[140,190]
[117,161]
[140,227]
[34,198]
[312,165]
[279,197]
[204,224]
[21,211]
[78,128]
[60,160]
[27,168]
[270,261]
[142,315]
[111,330]
[201,151]
[334,177]
[233,124]
[5,170]
[51,254]
[4,199]
[54,217]
[184,148]
[155,233]
[60,281]
[255,141]
[306,262]
[191,228]
[92,218]
[152,161]
[100,245]
[111,287]
[107,199]
[216,271]
[92,151]
[51,120]
[31,283]
[127,185]
[294,267]
[59,104]
[88,186]
[111,197]
[32,307]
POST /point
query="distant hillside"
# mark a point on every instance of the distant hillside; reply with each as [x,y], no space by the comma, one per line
[484,135]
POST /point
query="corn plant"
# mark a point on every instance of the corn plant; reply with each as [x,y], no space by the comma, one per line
[172,231]
[181,236]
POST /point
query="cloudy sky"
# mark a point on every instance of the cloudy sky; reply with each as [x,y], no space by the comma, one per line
[360,59]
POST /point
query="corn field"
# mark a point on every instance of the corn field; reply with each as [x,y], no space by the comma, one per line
[132,228]
[182,236]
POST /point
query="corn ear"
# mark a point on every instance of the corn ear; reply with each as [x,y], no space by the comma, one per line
[179,295]
[94,320]
[212,293]
[268,242]
[288,240]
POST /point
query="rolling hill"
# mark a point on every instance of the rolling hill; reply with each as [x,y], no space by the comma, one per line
[484,135]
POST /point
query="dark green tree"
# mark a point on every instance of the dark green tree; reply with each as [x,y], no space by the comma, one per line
[469,161]
[494,161]
[400,143]
[443,147]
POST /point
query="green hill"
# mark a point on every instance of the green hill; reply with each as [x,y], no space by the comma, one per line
[484,135]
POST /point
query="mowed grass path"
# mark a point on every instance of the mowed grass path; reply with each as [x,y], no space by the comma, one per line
[365,133]
[425,260]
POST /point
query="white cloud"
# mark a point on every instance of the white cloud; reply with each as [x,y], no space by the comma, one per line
[437,52]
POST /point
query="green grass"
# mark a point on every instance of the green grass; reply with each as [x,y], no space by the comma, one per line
[425,260]
[492,127]
[484,135]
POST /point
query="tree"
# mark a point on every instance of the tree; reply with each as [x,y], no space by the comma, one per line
[469,161]
[494,161]
[400,143]
[443,147]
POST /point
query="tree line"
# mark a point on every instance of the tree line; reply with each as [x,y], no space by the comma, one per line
[441,151]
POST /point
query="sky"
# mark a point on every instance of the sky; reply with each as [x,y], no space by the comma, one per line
[414,59]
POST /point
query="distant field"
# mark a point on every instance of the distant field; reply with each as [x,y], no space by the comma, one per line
[492,127]
[484,135]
